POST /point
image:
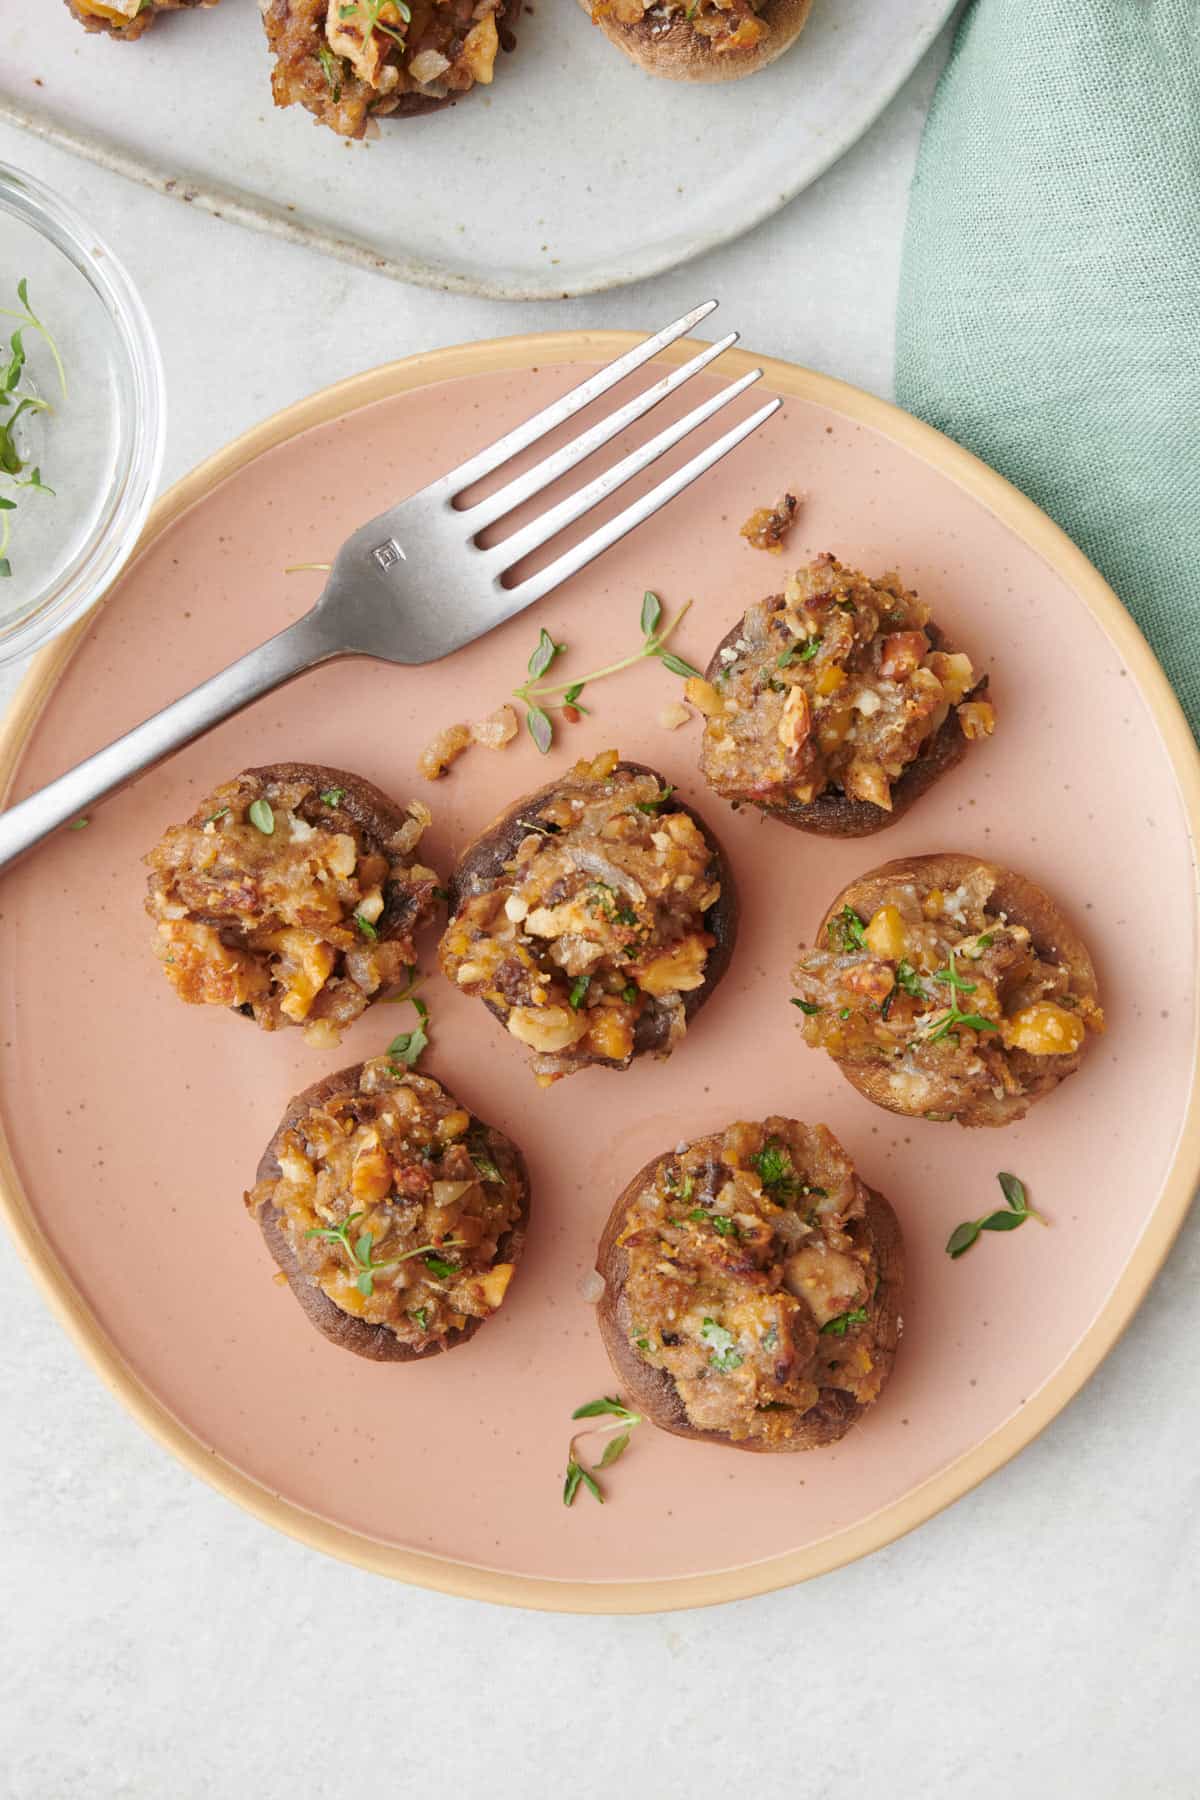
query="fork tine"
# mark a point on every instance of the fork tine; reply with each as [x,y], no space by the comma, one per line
[611,533]
[559,411]
[486,512]
[548,524]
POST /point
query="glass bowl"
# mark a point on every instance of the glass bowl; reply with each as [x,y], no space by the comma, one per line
[98,446]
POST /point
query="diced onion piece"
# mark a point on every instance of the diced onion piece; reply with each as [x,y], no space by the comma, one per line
[427,65]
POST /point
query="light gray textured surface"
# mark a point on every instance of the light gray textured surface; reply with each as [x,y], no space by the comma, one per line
[1037,1640]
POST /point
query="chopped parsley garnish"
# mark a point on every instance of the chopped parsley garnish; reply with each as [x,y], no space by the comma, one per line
[775,1168]
[420,1317]
[219,814]
[908,979]
[486,1165]
[725,1356]
[261,816]
[652,806]
[578,993]
[808,1007]
[366,927]
[629,993]
[846,931]
[437,1265]
[721,1223]
[840,1326]
[798,652]
[333,796]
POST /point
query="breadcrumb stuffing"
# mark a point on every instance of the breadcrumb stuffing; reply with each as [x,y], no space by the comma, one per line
[498,729]
[767,527]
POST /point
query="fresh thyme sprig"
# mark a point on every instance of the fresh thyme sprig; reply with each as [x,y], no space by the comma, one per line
[954,1017]
[407,1047]
[369,10]
[361,1253]
[580,1473]
[20,401]
[535,694]
[1018,1210]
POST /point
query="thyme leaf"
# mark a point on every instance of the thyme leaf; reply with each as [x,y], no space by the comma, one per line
[1017,1211]
[617,1432]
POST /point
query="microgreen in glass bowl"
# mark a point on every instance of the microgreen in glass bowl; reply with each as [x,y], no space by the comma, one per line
[81,415]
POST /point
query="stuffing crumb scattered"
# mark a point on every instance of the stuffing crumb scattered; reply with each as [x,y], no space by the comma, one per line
[498,729]
[437,755]
[767,527]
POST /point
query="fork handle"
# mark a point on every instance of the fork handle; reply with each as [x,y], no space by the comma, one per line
[301,646]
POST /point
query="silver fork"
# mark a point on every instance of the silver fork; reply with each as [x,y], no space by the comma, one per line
[411,585]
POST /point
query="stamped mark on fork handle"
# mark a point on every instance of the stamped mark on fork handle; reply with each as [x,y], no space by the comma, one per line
[389,554]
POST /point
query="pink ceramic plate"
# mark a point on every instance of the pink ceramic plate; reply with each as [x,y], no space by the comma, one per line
[133,1124]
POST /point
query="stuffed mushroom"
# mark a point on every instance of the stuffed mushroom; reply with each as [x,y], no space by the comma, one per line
[752,1287]
[594,918]
[351,61]
[835,705]
[946,987]
[700,40]
[291,895]
[396,1215]
[126,19]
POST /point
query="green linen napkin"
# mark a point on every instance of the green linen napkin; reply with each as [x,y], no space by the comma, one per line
[1049,314]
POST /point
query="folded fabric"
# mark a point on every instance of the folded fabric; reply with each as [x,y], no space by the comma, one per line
[1049,314]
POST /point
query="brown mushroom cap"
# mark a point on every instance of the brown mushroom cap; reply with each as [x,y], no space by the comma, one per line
[482,866]
[371,809]
[652,1391]
[671,49]
[376,1342]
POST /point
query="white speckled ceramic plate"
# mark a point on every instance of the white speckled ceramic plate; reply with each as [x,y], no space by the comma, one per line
[575,172]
